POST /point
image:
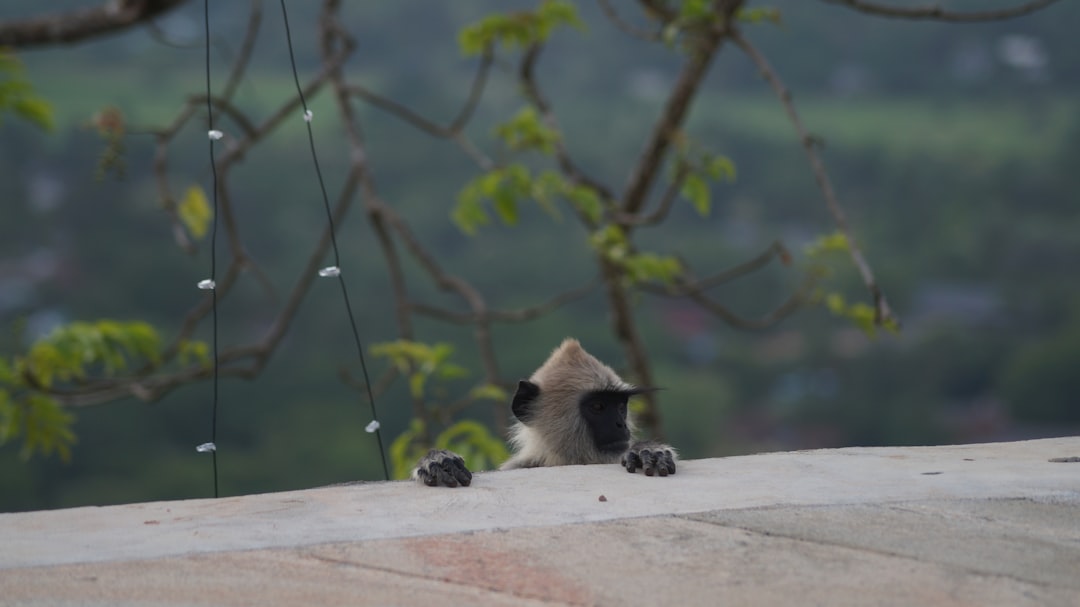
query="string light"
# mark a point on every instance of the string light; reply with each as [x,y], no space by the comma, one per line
[334,270]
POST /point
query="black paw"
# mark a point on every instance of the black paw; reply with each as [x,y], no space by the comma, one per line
[440,467]
[652,457]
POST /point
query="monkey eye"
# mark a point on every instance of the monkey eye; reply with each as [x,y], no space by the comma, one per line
[597,406]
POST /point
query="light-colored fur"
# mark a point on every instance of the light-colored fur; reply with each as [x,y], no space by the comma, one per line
[557,435]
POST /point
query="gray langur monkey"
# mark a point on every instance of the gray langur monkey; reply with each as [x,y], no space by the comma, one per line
[573,410]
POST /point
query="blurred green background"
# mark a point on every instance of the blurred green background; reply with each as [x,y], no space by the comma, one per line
[954,148]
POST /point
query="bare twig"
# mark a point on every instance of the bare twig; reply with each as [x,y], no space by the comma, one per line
[667,201]
[787,308]
[239,67]
[937,13]
[882,312]
[626,26]
[508,316]
[531,89]
[776,249]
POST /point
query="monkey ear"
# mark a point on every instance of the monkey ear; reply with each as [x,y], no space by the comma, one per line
[524,398]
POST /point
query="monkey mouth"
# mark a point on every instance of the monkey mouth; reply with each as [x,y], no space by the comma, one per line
[618,446]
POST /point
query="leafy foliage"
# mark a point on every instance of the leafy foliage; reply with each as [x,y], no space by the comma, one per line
[469,439]
[835,242]
[700,165]
[760,14]
[612,243]
[41,422]
[518,29]
[819,252]
[525,131]
[69,354]
[17,94]
[505,187]
[420,362]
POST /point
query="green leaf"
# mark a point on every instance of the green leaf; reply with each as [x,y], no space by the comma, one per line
[545,188]
[694,10]
[525,131]
[518,29]
[504,187]
[611,242]
[416,384]
[405,451]
[45,428]
[828,243]
[195,211]
[420,361]
[17,94]
[506,207]
[8,417]
[71,351]
[474,443]
[696,191]
[862,315]
[642,267]
[7,374]
[759,15]
[191,350]
[586,200]
[469,213]
[36,111]
[719,168]
[489,392]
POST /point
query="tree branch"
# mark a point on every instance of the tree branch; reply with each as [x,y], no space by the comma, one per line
[937,13]
[671,119]
[625,26]
[883,314]
[78,25]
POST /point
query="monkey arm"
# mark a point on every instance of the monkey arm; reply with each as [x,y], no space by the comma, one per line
[650,456]
[441,467]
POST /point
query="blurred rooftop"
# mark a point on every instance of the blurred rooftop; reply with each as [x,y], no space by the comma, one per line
[989,524]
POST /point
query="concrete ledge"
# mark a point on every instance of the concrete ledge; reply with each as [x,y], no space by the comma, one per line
[974,524]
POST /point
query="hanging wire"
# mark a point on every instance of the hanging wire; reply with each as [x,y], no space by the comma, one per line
[334,271]
[211,283]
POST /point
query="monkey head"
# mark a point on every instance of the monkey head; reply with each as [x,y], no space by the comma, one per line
[572,410]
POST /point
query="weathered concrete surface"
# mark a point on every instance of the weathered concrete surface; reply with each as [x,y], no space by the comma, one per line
[995,524]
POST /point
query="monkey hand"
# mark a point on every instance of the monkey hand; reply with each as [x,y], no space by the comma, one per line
[652,457]
[441,467]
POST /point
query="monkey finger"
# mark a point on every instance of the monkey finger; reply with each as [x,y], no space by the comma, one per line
[631,461]
[446,477]
[460,472]
[648,459]
[668,463]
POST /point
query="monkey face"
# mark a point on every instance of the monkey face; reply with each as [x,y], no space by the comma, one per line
[604,413]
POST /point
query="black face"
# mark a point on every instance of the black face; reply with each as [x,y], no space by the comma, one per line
[605,415]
